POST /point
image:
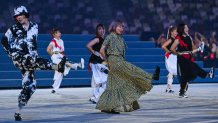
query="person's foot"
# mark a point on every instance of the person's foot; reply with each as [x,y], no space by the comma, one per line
[92,101]
[61,65]
[183,95]
[114,112]
[211,73]
[17,117]
[169,91]
[110,112]
[53,91]
[81,64]
[156,74]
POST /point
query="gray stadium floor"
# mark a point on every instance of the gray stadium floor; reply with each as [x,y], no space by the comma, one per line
[71,105]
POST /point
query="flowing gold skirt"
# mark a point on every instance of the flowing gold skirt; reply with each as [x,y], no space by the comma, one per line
[125,84]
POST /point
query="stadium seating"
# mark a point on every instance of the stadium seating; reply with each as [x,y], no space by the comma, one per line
[141,53]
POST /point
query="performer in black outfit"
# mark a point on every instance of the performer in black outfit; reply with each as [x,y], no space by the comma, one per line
[96,63]
[95,44]
[187,69]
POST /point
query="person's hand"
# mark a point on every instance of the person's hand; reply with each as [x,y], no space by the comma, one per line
[97,53]
[99,85]
[179,53]
[190,52]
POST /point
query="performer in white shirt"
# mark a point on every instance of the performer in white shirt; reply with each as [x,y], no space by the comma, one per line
[56,50]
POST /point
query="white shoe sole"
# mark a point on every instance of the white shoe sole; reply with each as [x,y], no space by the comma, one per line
[82,63]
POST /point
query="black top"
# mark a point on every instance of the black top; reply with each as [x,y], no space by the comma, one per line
[185,43]
[172,41]
[93,58]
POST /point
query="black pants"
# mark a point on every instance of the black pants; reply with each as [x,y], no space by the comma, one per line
[188,71]
[27,63]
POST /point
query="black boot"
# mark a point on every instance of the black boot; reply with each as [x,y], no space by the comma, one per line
[61,65]
[5,43]
[17,117]
[156,74]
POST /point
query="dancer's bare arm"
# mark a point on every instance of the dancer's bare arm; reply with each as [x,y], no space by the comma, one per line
[164,46]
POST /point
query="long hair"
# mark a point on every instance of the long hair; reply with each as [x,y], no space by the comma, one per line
[97,27]
[180,29]
[114,24]
[170,29]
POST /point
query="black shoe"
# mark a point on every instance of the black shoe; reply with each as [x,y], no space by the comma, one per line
[110,112]
[114,112]
[61,65]
[166,91]
[211,73]
[5,43]
[105,111]
[53,91]
[183,95]
[92,101]
[17,117]
[156,74]
[171,91]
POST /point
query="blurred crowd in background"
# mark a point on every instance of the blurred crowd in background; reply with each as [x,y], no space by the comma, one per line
[82,16]
[148,18]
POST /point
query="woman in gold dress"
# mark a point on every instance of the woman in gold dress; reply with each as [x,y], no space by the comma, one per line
[126,82]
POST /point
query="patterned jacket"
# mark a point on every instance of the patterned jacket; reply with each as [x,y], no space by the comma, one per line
[21,40]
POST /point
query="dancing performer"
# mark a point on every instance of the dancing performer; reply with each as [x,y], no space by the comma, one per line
[56,50]
[187,69]
[99,70]
[126,82]
[170,59]
[20,44]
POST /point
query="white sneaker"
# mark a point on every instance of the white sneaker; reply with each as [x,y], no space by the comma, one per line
[201,47]
[66,70]
[211,73]
[81,65]
[72,65]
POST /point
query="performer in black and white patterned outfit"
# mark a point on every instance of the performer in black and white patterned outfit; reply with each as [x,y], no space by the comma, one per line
[20,44]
